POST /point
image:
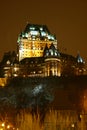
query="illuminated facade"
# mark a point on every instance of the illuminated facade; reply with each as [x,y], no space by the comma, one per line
[32,41]
[47,65]
[52,61]
[37,52]
[37,55]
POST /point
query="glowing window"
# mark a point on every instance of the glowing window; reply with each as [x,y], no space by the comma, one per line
[34,32]
[26,35]
[41,28]
[43,33]
[32,28]
[50,37]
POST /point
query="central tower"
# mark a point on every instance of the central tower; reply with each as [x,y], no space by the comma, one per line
[32,41]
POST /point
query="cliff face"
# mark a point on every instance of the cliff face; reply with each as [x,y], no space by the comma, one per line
[55,92]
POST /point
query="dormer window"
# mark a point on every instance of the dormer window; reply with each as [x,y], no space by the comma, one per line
[8,62]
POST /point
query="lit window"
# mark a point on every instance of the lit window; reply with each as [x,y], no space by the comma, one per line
[50,37]
[41,28]
[34,32]
[32,28]
[8,62]
[43,33]
[26,35]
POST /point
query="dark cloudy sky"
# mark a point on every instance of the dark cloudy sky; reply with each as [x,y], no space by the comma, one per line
[65,18]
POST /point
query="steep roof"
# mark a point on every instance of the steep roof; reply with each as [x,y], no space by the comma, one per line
[36,27]
[51,51]
[37,30]
[79,59]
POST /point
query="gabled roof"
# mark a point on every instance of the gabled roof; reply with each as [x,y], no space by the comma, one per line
[52,51]
[79,59]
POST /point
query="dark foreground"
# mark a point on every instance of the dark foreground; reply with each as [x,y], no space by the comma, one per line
[39,95]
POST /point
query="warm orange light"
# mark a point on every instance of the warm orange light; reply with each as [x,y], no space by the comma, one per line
[3,124]
[8,126]
[73,125]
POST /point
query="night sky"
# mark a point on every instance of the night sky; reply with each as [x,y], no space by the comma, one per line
[65,18]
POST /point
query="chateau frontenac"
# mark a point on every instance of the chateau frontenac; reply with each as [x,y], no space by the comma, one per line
[38,55]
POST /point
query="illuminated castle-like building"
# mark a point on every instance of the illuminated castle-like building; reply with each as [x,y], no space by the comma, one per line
[32,42]
[38,55]
[37,48]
